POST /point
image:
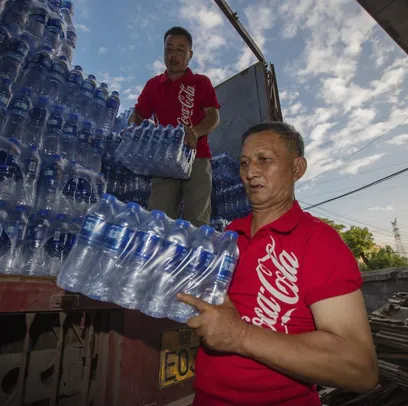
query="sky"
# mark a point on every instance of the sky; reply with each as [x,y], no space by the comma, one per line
[343,84]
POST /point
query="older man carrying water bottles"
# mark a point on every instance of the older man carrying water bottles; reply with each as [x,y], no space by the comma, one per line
[178,96]
[295,316]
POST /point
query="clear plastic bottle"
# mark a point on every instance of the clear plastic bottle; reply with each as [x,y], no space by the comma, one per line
[17,115]
[56,78]
[135,271]
[15,15]
[97,150]
[171,275]
[53,131]
[34,257]
[84,145]
[34,131]
[36,23]
[70,138]
[4,40]
[13,60]
[70,90]
[85,253]
[53,33]
[115,246]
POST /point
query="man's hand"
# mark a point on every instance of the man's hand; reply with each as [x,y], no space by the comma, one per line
[191,137]
[220,327]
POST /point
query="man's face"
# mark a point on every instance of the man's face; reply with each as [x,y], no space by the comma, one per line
[269,170]
[177,53]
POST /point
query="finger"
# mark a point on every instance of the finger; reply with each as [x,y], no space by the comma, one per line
[195,322]
[197,303]
[228,301]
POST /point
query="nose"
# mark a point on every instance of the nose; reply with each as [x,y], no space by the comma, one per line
[251,170]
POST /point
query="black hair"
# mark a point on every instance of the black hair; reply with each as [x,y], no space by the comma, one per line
[292,138]
[179,31]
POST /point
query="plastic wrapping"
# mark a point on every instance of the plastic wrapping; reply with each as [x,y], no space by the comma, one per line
[156,151]
[141,260]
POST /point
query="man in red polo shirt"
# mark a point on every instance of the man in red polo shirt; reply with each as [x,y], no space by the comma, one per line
[295,316]
[178,96]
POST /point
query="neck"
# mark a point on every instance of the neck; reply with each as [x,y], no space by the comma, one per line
[175,75]
[263,216]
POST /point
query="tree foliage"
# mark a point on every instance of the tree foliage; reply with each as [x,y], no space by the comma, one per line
[361,243]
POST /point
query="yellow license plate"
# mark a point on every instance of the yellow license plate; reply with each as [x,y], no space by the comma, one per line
[177,356]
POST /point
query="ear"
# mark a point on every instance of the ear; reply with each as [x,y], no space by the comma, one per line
[299,168]
[191,54]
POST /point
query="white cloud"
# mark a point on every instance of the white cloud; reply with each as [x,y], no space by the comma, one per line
[157,67]
[133,92]
[353,167]
[380,208]
[399,140]
[102,50]
[82,27]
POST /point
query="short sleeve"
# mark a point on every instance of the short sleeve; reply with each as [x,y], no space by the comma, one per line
[145,105]
[330,268]
[209,96]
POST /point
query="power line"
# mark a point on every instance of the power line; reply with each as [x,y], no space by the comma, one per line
[356,152]
[358,189]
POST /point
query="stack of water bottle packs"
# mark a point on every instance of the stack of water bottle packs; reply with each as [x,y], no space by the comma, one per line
[56,128]
[229,200]
[140,260]
[156,151]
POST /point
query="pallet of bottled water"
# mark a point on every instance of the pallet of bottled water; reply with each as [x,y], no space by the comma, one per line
[140,260]
[156,151]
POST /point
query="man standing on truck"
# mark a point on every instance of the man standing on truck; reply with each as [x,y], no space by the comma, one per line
[178,96]
[295,316]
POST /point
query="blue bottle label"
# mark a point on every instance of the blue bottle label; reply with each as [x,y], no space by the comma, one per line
[117,237]
[147,245]
[200,260]
[4,99]
[226,269]
[17,231]
[99,144]
[93,228]
[90,87]
[39,18]
[173,254]
[75,78]
[59,68]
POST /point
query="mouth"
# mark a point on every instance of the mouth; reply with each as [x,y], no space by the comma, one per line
[255,188]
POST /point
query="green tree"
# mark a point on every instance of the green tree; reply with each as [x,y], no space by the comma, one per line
[360,241]
[386,257]
[338,227]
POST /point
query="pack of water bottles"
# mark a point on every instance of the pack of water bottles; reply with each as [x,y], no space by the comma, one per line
[156,151]
[229,199]
[140,260]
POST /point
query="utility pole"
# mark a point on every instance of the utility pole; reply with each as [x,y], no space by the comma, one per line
[398,242]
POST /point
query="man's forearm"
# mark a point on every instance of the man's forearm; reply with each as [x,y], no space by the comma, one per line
[316,357]
[208,124]
[135,118]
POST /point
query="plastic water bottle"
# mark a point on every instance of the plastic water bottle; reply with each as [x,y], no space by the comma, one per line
[55,79]
[154,143]
[67,12]
[17,115]
[83,102]
[84,145]
[83,194]
[50,183]
[98,107]
[70,137]
[85,253]
[4,39]
[59,245]
[27,189]
[54,5]
[176,144]
[112,107]
[15,228]
[33,134]
[171,275]
[202,254]
[100,187]
[53,33]
[12,62]
[68,44]
[70,90]
[10,161]
[164,144]
[69,189]
[53,131]
[35,27]
[5,92]
[4,240]
[15,15]
[33,250]
[136,270]
[115,246]
[97,151]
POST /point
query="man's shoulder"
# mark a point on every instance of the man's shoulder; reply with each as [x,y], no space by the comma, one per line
[198,77]
[154,80]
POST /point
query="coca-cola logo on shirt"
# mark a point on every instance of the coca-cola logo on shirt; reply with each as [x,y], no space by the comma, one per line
[277,275]
[186,97]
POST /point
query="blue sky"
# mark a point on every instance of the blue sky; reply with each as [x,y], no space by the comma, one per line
[343,82]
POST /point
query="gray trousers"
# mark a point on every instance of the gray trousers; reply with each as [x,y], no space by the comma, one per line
[167,194]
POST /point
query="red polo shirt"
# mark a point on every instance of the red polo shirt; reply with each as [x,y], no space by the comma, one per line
[179,102]
[287,266]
